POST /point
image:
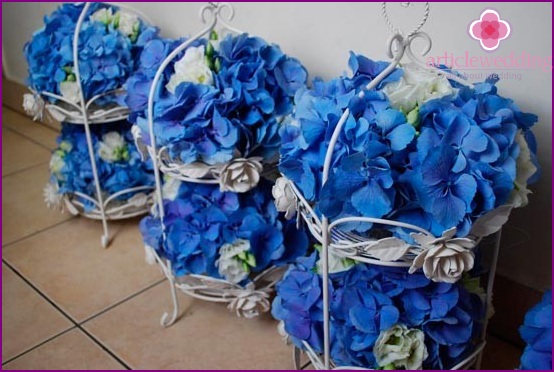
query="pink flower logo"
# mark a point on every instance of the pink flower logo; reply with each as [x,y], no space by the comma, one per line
[489,29]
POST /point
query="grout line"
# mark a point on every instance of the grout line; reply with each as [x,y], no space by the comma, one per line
[24,169]
[36,233]
[105,348]
[29,138]
[28,282]
[77,325]
[111,307]
[39,345]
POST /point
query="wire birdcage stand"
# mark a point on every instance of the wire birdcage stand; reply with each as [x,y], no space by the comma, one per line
[87,113]
[358,248]
[247,301]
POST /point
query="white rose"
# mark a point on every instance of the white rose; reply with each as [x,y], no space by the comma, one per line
[525,169]
[70,91]
[170,188]
[229,265]
[33,104]
[444,259]
[104,15]
[128,23]
[416,87]
[285,199]
[192,68]
[401,347]
[240,175]
[112,147]
[335,264]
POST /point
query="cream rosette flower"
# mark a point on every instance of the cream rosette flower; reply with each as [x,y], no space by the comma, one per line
[416,87]
[444,259]
[52,195]
[401,347]
[285,199]
[33,104]
[192,68]
[240,175]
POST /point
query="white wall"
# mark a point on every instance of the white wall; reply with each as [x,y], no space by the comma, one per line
[321,34]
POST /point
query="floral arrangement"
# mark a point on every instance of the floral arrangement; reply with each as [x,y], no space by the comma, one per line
[221,100]
[380,317]
[222,234]
[118,163]
[536,331]
[110,40]
[420,149]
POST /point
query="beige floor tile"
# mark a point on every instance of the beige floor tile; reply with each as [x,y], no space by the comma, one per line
[72,350]
[27,318]
[23,125]
[68,264]
[23,208]
[207,336]
[19,153]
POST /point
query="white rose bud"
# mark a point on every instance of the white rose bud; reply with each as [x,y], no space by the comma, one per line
[33,104]
[192,68]
[228,264]
[444,259]
[128,23]
[104,15]
[70,91]
[285,199]
[112,147]
[240,175]
[416,87]
[401,347]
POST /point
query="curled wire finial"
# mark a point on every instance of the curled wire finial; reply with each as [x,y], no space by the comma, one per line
[216,10]
[405,5]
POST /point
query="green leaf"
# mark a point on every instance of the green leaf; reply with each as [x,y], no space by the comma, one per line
[70,77]
[210,50]
[251,260]
[213,35]
[413,117]
[217,66]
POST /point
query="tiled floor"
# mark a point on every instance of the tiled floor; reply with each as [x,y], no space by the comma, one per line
[67,303]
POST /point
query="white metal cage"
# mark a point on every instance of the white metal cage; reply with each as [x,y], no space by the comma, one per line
[86,113]
[359,248]
[246,301]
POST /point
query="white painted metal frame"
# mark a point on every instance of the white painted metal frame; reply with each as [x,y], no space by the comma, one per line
[346,244]
[246,301]
[87,113]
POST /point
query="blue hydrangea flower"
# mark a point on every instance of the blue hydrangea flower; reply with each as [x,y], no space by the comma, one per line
[367,300]
[238,115]
[71,167]
[536,331]
[200,219]
[106,55]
